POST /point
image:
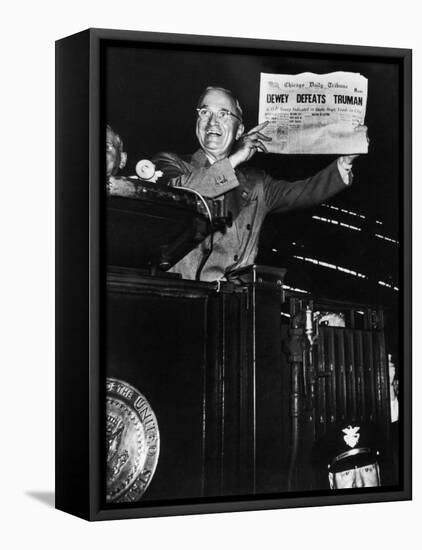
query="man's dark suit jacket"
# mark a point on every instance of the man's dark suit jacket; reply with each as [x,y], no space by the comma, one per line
[250,194]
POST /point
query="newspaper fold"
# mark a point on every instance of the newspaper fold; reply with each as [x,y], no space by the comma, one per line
[313,113]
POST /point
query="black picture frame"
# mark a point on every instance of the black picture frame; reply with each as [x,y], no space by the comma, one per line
[80,273]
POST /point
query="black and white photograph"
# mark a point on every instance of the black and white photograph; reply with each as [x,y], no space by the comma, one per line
[252,233]
[210,275]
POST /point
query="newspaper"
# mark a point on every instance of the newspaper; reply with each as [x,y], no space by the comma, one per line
[314,113]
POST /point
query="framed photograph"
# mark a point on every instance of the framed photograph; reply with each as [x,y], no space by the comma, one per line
[233,274]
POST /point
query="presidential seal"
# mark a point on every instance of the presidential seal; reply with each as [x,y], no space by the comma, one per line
[132,442]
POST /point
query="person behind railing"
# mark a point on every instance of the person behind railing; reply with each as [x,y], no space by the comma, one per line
[218,169]
[116,157]
[393,375]
[352,456]
[394,387]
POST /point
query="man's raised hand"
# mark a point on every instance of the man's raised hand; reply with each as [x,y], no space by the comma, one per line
[248,144]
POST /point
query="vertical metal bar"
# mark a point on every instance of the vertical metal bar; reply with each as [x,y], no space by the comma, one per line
[350,375]
[382,382]
[385,379]
[308,383]
[366,319]
[360,376]
[341,381]
[321,405]
[295,411]
[378,376]
[369,376]
[296,382]
[332,382]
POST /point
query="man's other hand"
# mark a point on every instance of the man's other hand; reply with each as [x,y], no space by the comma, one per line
[348,159]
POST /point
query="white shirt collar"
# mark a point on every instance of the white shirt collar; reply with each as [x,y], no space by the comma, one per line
[211,159]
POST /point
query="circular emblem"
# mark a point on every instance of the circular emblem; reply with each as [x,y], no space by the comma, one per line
[132,442]
[145,169]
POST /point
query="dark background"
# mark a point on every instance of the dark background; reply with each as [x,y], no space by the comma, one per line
[151,95]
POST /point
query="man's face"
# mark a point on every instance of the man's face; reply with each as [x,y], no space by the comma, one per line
[115,159]
[365,476]
[216,137]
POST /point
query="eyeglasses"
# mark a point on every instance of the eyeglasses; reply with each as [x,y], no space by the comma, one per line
[222,115]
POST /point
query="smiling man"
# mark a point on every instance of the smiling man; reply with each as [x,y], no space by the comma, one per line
[219,123]
[217,170]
